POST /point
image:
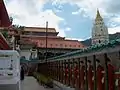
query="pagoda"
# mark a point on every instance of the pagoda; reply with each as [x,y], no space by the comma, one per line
[99,31]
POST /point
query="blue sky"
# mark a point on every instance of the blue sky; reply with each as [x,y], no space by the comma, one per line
[73,19]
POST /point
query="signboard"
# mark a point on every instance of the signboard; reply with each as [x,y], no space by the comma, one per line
[9,67]
[5,63]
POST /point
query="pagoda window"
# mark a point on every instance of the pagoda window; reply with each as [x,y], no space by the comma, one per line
[99,41]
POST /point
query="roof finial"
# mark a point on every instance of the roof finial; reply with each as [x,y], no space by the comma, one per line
[98,16]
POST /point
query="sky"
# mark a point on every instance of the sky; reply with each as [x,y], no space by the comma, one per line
[73,19]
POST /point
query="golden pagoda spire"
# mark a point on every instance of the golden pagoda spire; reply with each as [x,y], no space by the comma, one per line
[98,16]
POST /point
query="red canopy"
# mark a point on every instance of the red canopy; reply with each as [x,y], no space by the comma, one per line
[4,22]
[4,18]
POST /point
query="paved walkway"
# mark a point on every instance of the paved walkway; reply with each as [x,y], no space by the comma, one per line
[28,84]
[31,84]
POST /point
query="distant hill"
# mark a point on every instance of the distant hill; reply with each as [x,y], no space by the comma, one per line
[111,37]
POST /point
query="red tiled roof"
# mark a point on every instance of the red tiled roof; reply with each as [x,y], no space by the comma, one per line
[39,29]
[4,18]
[37,37]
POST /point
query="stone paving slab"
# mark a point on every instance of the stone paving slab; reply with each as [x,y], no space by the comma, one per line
[29,83]
[61,86]
[9,87]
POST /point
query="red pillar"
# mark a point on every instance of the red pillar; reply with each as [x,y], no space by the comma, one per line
[76,74]
[100,76]
[111,75]
[90,76]
[82,75]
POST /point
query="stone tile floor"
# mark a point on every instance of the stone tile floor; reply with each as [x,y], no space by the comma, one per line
[29,83]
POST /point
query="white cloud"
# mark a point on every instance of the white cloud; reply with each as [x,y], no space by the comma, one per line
[108,9]
[79,39]
[68,29]
[75,39]
[76,12]
[30,14]
[113,30]
[89,7]
[62,33]
[115,19]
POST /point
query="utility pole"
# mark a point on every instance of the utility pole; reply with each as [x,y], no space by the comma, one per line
[46,40]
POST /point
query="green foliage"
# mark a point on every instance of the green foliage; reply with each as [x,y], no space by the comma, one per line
[18,27]
[41,77]
[5,34]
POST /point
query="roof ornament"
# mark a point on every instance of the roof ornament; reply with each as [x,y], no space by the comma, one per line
[98,16]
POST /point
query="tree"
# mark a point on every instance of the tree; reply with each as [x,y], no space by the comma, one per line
[18,27]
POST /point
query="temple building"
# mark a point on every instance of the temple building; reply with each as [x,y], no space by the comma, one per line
[99,31]
[55,45]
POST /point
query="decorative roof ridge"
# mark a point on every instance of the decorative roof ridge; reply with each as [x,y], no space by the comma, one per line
[42,36]
[90,49]
[40,27]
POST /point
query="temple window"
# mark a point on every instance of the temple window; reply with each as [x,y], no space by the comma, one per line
[61,45]
[50,44]
[41,44]
[65,45]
